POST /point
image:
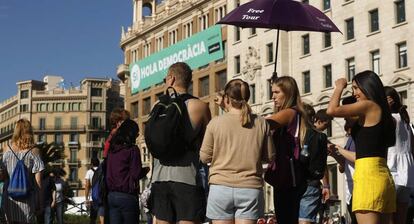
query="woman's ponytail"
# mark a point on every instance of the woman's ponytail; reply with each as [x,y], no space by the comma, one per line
[246,113]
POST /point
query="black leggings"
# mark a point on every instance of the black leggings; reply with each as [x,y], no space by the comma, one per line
[286,203]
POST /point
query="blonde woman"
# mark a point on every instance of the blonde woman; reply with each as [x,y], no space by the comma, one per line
[290,124]
[236,143]
[22,147]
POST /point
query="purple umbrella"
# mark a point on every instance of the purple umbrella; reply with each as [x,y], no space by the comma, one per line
[285,15]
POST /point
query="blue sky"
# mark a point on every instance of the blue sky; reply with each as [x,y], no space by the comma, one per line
[70,38]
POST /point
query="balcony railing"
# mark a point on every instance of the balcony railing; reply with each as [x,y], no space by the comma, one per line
[6,134]
[96,127]
[94,144]
[73,144]
[59,128]
[74,162]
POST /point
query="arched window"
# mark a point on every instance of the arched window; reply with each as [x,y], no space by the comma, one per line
[147,9]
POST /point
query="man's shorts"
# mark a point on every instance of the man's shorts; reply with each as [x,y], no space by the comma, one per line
[310,203]
[174,201]
[234,203]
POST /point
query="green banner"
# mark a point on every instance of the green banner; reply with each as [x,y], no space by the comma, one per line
[198,50]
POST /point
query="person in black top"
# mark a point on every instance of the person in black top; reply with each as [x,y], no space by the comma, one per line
[374,198]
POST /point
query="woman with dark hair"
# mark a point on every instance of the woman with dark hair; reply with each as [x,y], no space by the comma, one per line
[290,123]
[236,143]
[374,192]
[400,158]
[123,172]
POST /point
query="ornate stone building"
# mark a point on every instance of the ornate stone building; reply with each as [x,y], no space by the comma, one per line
[75,118]
[160,32]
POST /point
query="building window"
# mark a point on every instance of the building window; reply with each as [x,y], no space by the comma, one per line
[220,12]
[24,94]
[160,43]
[252,99]
[203,21]
[329,130]
[333,178]
[269,89]
[96,92]
[73,155]
[76,106]
[375,62]
[269,52]
[59,107]
[236,34]
[326,4]
[134,109]
[305,44]
[24,108]
[221,78]
[147,49]
[306,82]
[58,123]
[172,37]
[42,123]
[188,29]
[327,74]
[74,137]
[204,86]
[58,138]
[96,122]
[237,64]
[403,97]
[134,55]
[374,20]
[349,23]
[400,11]
[96,106]
[146,107]
[73,174]
[252,31]
[402,55]
[42,107]
[73,123]
[350,65]
[327,42]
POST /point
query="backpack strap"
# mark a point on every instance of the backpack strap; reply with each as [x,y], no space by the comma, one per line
[11,149]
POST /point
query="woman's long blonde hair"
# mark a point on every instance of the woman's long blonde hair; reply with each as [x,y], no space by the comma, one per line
[23,135]
[292,100]
[238,93]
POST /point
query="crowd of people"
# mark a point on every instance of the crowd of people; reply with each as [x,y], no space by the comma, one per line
[212,169]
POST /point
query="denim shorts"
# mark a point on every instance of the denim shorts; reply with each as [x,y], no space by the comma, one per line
[234,203]
[310,204]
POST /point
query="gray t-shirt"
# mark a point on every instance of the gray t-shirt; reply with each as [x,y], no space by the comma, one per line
[183,169]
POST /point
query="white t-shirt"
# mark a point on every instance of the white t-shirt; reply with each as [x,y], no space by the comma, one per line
[89,176]
[89,173]
[400,161]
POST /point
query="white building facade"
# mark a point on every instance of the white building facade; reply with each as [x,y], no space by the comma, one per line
[376,36]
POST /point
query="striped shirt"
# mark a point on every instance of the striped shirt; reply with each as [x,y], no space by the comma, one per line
[22,210]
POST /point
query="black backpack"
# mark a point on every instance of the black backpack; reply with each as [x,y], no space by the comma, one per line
[166,132]
[315,161]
